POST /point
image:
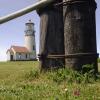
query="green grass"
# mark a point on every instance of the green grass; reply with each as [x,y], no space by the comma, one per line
[23,81]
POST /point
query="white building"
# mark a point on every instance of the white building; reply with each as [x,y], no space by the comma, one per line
[27,52]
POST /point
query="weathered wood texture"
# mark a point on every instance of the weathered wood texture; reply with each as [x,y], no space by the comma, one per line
[80,33]
[51,35]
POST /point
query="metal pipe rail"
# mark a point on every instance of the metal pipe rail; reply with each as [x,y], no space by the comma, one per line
[24,11]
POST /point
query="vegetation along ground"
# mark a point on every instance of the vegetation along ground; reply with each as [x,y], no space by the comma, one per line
[24,81]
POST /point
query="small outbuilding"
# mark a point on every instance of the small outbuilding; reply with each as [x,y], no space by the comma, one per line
[17,53]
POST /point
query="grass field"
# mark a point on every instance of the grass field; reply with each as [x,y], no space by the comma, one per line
[23,81]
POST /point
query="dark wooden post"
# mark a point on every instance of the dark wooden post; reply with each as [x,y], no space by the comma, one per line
[80,33]
[51,36]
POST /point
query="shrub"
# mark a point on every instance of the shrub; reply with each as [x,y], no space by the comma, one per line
[34,73]
[59,75]
[88,72]
[86,75]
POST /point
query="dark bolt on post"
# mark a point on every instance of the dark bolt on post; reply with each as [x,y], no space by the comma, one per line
[80,33]
[51,35]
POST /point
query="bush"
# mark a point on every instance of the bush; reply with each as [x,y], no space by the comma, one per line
[59,75]
[86,75]
[34,73]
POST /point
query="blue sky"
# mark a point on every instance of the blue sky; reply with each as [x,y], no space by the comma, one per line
[12,32]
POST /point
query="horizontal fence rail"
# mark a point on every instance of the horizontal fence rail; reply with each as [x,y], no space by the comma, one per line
[56,56]
[24,11]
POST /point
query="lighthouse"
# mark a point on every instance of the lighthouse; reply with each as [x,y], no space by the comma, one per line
[30,39]
[26,52]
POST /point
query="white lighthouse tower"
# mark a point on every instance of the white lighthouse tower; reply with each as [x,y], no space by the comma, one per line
[30,39]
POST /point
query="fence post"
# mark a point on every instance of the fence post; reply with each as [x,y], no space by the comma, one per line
[80,33]
[51,35]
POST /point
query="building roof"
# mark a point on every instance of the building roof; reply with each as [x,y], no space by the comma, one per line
[9,50]
[20,49]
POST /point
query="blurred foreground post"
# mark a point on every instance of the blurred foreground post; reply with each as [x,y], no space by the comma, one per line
[80,33]
[51,36]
